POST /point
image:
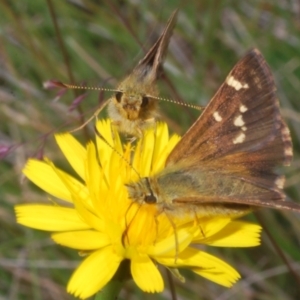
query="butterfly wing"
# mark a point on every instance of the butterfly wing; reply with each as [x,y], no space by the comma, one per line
[214,205]
[150,66]
[241,134]
[243,116]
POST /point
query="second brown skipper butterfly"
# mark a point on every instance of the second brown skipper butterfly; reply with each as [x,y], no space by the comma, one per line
[133,107]
[226,162]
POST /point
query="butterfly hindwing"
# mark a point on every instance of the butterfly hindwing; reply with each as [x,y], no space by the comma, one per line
[212,204]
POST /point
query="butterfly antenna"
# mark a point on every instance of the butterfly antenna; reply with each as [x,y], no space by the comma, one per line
[79,87]
[95,115]
[197,107]
[90,88]
[83,87]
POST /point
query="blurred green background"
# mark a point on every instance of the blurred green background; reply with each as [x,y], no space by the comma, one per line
[104,40]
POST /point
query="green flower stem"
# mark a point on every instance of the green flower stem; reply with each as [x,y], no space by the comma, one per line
[113,288]
[110,291]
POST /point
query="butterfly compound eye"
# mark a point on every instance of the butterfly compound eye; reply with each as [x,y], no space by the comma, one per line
[119,96]
[145,101]
[150,199]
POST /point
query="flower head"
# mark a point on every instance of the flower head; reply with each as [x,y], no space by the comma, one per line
[100,220]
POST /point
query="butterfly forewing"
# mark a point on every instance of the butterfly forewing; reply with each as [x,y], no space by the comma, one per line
[243,116]
[240,137]
[151,65]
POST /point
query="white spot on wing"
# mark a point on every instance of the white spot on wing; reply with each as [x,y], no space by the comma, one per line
[240,138]
[239,121]
[217,116]
[279,182]
[288,151]
[231,81]
[243,108]
[244,128]
[285,133]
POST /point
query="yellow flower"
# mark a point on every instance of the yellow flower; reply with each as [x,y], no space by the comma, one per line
[100,220]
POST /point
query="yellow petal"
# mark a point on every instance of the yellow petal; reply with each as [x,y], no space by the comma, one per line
[161,140]
[94,273]
[211,225]
[82,240]
[205,265]
[74,152]
[146,153]
[222,278]
[235,234]
[50,218]
[142,229]
[163,147]
[94,174]
[43,175]
[108,146]
[110,136]
[168,247]
[216,270]
[83,204]
[146,275]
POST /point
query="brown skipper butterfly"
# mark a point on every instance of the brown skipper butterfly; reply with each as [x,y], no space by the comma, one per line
[225,163]
[133,107]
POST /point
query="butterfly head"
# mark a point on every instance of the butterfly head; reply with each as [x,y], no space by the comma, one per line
[134,99]
[142,192]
